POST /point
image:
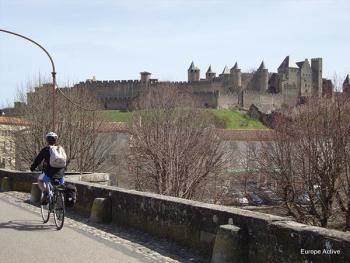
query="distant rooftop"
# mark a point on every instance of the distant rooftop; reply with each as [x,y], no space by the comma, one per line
[287,63]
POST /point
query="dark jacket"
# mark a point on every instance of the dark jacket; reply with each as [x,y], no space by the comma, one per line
[51,172]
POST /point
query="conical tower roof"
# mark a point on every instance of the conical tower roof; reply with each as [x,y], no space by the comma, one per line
[235,66]
[226,70]
[287,63]
[262,66]
[347,80]
[193,67]
[209,70]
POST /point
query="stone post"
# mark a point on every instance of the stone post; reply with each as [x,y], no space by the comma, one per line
[5,186]
[101,211]
[35,193]
[228,247]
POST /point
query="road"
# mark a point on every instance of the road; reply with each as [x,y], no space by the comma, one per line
[24,238]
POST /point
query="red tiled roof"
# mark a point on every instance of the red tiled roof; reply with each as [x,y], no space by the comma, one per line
[246,135]
[113,127]
[12,121]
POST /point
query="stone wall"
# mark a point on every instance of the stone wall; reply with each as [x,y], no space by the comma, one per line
[263,238]
[266,102]
[228,100]
[9,126]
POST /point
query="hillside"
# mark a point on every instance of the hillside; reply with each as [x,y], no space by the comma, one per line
[224,119]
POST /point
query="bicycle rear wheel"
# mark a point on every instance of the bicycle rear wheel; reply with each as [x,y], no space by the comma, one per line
[59,212]
[45,210]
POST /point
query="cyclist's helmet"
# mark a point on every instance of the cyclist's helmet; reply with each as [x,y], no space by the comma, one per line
[51,137]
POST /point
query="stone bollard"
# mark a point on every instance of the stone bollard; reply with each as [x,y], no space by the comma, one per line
[101,211]
[35,193]
[228,247]
[5,186]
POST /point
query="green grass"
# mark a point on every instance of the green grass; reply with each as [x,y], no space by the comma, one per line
[116,115]
[237,120]
[225,118]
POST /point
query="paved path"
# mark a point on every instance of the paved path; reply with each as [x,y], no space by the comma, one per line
[24,238]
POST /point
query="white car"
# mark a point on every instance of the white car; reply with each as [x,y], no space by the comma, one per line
[240,199]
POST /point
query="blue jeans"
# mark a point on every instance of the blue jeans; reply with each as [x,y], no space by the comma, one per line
[47,179]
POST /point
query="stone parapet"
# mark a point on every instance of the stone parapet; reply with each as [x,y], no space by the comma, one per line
[266,238]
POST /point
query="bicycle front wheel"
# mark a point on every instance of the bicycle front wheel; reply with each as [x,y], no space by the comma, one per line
[45,210]
[59,212]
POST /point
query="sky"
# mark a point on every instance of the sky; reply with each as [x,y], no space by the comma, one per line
[116,40]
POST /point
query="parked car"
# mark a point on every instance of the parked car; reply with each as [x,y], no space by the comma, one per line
[254,199]
[269,197]
[240,199]
[234,198]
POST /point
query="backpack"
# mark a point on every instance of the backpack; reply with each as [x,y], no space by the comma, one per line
[58,157]
[70,196]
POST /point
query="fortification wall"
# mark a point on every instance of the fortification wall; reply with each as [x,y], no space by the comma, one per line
[266,102]
[261,238]
[228,100]
[112,88]
[290,95]
[251,97]
[270,102]
[207,99]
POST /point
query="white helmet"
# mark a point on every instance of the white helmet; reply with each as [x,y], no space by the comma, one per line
[51,136]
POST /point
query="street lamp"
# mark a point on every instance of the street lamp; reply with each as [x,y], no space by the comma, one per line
[53,73]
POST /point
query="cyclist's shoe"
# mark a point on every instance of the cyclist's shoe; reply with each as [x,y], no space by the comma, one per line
[45,198]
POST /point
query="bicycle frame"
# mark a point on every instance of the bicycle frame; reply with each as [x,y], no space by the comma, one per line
[55,205]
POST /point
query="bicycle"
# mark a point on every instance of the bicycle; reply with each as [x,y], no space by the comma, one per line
[54,205]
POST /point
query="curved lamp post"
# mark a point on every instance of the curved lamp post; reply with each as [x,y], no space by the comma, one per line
[53,71]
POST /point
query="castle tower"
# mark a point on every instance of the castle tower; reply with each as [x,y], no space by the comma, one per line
[316,67]
[346,86]
[210,75]
[236,76]
[225,71]
[145,77]
[262,77]
[305,78]
[193,73]
[288,75]
[225,76]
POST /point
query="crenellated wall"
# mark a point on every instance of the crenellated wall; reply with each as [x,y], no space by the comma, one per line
[292,82]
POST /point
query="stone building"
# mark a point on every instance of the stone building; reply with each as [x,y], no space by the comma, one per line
[346,86]
[290,85]
[8,128]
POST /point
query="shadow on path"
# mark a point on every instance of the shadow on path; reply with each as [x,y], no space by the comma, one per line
[26,225]
[163,246]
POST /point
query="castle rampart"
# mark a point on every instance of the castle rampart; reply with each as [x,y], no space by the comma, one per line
[266,90]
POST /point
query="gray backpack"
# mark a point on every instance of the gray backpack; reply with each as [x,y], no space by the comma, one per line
[58,157]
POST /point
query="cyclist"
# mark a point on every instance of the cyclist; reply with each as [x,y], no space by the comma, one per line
[54,164]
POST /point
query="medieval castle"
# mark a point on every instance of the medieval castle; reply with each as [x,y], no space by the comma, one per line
[268,91]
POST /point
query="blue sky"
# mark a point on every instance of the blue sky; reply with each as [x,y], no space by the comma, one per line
[118,39]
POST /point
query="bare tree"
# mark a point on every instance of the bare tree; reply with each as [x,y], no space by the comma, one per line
[307,158]
[343,194]
[174,147]
[78,124]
